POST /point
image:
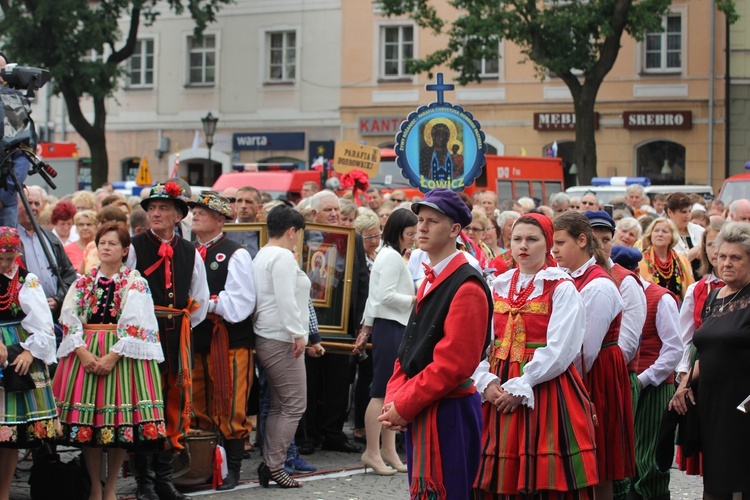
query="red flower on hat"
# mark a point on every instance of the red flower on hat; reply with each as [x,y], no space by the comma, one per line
[172,189]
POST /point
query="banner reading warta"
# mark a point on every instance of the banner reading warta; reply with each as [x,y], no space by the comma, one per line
[350,156]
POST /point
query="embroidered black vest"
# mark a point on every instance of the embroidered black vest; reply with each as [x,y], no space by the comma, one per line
[146,247]
[13,312]
[425,328]
[217,268]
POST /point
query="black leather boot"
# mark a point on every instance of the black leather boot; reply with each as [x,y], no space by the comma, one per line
[235,448]
[143,471]
[164,487]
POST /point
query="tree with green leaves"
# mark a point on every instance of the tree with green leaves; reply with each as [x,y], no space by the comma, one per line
[576,40]
[59,35]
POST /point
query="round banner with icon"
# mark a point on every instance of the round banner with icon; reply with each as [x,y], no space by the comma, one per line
[440,145]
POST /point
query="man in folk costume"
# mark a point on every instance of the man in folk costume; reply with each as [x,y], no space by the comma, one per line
[223,342]
[177,278]
[430,393]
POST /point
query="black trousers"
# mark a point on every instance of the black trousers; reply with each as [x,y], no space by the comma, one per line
[328,381]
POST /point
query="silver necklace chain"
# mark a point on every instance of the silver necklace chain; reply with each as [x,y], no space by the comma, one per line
[723,305]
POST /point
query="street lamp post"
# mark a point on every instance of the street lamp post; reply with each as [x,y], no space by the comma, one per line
[209,128]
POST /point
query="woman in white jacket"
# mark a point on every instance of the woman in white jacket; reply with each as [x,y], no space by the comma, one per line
[389,305]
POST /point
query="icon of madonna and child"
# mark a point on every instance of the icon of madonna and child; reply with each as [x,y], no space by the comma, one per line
[441,150]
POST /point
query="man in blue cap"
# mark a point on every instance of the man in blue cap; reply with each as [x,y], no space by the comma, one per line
[430,393]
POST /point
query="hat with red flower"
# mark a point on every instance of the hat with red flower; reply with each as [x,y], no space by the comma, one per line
[169,191]
[10,240]
[214,202]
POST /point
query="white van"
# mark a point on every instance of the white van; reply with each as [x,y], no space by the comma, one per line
[607,188]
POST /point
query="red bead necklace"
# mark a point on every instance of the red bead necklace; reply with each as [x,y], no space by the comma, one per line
[665,270]
[518,299]
[6,299]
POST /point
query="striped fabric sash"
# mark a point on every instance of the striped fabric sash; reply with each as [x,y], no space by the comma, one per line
[497,352]
[427,473]
[219,359]
[185,357]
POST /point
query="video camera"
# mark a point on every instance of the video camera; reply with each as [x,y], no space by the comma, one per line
[16,126]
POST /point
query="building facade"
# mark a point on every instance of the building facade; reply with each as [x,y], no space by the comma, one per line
[739,91]
[286,79]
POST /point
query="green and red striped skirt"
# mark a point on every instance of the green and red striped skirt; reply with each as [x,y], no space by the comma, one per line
[123,409]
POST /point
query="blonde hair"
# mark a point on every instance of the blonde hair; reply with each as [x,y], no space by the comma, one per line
[647,235]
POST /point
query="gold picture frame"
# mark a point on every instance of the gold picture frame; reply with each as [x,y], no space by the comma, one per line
[244,234]
[331,249]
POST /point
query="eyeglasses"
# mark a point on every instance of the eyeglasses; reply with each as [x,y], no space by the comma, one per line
[472,229]
[398,200]
[411,234]
[372,237]
[232,200]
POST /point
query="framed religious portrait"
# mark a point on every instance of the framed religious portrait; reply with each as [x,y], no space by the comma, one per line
[326,254]
[252,236]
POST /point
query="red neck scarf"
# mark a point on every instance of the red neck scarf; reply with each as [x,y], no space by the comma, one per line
[166,252]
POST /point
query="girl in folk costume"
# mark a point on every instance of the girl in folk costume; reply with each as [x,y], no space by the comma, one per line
[538,435]
[601,363]
[108,385]
[690,321]
[661,263]
[27,346]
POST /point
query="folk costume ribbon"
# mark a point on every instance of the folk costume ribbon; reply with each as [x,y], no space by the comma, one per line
[166,252]
[427,470]
[185,357]
[513,343]
[429,273]
[219,359]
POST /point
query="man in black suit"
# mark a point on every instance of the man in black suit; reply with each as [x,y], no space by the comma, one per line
[328,377]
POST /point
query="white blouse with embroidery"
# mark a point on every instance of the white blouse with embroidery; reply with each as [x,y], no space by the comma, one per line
[38,321]
[137,329]
[564,335]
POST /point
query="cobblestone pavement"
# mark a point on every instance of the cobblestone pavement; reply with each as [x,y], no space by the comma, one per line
[341,477]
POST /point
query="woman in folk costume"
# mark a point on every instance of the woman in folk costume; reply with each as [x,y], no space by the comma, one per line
[602,363]
[108,385]
[538,436]
[27,346]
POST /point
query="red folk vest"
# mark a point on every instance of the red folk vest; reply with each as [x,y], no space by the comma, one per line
[590,274]
[651,344]
[536,314]
[700,294]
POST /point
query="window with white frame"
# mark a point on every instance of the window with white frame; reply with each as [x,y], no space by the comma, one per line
[489,68]
[663,50]
[397,51]
[202,60]
[94,55]
[282,56]
[142,64]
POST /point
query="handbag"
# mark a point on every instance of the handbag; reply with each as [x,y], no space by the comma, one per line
[12,381]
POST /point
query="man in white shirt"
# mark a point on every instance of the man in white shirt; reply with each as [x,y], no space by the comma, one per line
[223,342]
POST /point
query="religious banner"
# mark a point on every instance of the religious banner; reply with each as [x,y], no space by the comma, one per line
[440,145]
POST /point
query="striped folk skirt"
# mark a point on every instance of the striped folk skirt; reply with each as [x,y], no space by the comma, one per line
[609,386]
[548,450]
[28,417]
[123,409]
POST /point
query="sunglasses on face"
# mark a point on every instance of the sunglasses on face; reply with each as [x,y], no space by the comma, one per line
[398,200]
[232,200]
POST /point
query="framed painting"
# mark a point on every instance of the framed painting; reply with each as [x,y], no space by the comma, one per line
[326,254]
[252,236]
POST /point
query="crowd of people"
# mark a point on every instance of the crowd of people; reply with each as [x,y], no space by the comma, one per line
[523,349]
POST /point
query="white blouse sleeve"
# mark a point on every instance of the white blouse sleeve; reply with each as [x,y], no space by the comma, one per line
[72,325]
[482,376]
[199,290]
[667,322]
[137,329]
[38,320]
[633,317]
[237,300]
[603,304]
[565,335]
[687,328]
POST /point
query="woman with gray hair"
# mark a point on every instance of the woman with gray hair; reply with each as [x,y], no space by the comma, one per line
[367,224]
[723,347]
[627,231]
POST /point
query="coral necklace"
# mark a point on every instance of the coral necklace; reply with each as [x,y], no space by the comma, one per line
[518,299]
[6,299]
[666,271]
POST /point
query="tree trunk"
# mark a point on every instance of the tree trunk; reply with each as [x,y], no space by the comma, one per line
[585,157]
[93,134]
